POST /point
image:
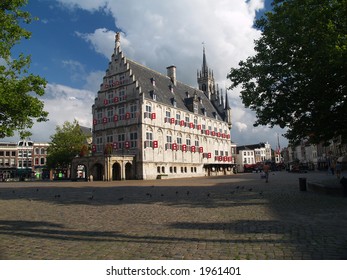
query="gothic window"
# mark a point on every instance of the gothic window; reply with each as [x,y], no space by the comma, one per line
[188,142]
[178,118]
[195,121]
[121,140]
[110,97]
[133,110]
[122,95]
[109,114]
[149,139]
[121,112]
[99,116]
[179,142]
[133,139]
[168,145]
[109,138]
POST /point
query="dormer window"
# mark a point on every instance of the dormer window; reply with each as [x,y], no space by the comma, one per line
[204,111]
[174,103]
[153,82]
[196,107]
[171,88]
[154,95]
[215,115]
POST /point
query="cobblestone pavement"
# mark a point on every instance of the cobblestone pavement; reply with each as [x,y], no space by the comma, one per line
[231,217]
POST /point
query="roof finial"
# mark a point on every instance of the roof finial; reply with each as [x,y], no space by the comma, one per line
[117,37]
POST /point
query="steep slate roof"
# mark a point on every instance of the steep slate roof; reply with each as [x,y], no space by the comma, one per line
[164,95]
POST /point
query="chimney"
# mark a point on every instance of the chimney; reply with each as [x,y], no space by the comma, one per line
[171,73]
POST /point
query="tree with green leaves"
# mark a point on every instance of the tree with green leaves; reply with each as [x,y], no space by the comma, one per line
[68,142]
[298,76]
[19,89]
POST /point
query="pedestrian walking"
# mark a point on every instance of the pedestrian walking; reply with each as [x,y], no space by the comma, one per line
[266,170]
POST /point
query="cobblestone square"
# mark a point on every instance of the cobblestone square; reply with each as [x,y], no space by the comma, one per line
[229,217]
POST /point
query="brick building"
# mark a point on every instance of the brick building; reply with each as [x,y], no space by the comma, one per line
[24,159]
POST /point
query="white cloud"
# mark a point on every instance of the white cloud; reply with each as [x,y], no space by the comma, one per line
[93,81]
[63,104]
[102,40]
[240,126]
[161,33]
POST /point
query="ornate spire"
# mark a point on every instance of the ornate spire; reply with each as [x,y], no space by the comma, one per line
[204,63]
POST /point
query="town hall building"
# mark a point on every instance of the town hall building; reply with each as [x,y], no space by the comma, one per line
[147,125]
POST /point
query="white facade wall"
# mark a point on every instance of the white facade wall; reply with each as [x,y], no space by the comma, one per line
[182,149]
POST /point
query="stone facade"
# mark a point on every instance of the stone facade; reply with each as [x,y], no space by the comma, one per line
[149,125]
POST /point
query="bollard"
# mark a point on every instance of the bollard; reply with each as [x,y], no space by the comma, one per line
[302,184]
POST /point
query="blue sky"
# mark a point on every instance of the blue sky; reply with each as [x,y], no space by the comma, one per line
[73,40]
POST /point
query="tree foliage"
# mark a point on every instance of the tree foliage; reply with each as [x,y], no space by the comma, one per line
[67,142]
[19,104]
[297,78]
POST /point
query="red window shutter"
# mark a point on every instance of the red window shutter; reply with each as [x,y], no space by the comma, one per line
[115,145]
[193,149]
[115,118]
[201,149]
[218,134]
[95,121]
[199,126]
[172,120]
[155,144]
[207,132]
[209,155]
[94,148]
[181,123]
[127,116]
[191,125]
[184,148]
[105,101]
[115,100]
[104,120]
[127,144]
[153,116]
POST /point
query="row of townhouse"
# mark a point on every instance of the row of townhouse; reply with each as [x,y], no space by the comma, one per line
[23,159]
[316,156]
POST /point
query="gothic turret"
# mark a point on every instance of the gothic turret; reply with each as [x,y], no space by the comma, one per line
[205,78]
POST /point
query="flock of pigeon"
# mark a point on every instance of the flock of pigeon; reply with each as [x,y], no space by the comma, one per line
[186,193]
